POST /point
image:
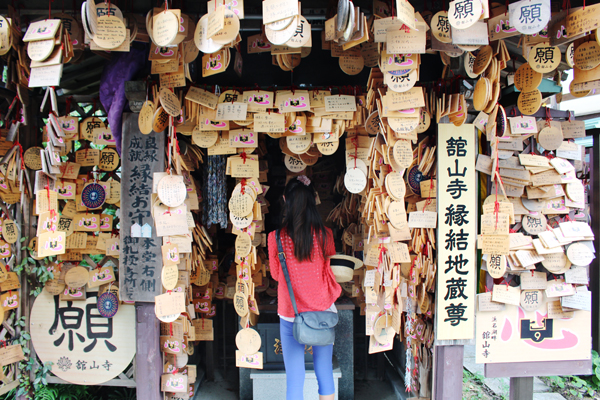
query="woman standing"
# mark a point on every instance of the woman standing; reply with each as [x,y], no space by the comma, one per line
[307,244]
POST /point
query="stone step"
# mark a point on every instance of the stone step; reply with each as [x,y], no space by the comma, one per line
[272,384]
[397,382]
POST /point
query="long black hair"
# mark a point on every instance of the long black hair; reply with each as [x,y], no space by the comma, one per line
[301,218]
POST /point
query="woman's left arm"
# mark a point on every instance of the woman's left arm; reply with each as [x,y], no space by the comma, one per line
[330,250]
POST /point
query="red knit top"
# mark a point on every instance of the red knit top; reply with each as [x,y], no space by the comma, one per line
[313,281]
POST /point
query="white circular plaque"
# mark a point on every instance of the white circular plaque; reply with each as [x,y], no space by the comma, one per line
[355,180]
[171,191]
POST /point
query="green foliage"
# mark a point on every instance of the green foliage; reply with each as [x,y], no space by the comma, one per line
[466,376]
[60,392]
[37,274]
[579,386]
[122,394]
[36,271]
[77,392]
[557,381]
[479,378]
[25,367]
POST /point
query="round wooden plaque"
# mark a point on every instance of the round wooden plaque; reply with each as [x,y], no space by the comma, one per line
[248,341]
[355,180]
[587,55]
[496,265]
[480,95]
[483,59]
[526,79]
[241,205]
[110,32]
[544,58]
[440,27]
[243,245]
[240,303]
[579,254]
[534,223]
[33,158]
[146,116]
[77,277]
[550,138]
[529,102]
[166,28]
[230,29]
[531,299]
[171,190]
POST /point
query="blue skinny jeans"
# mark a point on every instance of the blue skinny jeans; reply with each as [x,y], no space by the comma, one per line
[293,358]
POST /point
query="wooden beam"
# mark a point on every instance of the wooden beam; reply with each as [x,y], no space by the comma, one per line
[28,138]
[594,202]
[8,387]
[569,96]
[91,60]
[77,98]
[448,374]
[148,358]
[521,389]
[541,113]
[79,75]
[538,368]
[130,383]
[90,87]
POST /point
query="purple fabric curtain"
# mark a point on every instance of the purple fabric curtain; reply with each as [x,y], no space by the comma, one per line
[121,68]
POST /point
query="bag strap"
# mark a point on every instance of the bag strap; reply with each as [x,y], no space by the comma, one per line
[285,271]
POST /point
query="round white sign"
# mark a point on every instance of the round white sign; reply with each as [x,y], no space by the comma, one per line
[84,347]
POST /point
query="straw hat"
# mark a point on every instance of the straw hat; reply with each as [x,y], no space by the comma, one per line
[343,267]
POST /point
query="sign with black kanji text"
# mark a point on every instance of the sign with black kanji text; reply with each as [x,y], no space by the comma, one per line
[457,232]
[141,257]
[84,347]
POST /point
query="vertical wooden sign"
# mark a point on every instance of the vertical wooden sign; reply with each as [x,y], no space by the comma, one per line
[141,257]
[457,232]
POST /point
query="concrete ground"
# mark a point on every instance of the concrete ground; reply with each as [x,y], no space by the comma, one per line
[370,390]
[227,389]
[222,388]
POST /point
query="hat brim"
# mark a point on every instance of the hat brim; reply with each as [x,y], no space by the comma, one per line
[344,260]
[343,267]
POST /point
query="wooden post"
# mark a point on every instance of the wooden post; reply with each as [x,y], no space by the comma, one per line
[448,376]
[28,137]
[521,388]
[148,359]
[139,280]
[595,214]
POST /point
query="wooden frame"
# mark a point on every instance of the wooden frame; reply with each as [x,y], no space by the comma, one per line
[595,211]
[521,373]
[538,368]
